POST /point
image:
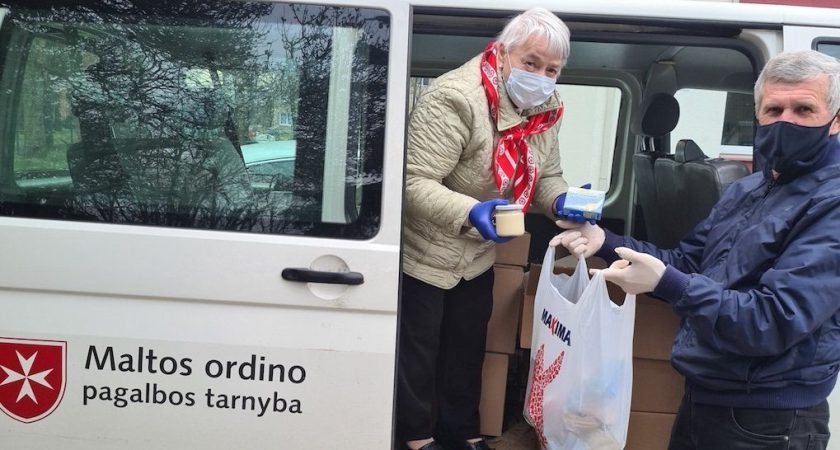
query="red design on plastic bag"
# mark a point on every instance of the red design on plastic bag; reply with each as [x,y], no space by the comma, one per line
[541,379]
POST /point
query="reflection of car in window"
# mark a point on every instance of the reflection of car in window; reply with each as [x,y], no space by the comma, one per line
[270,164]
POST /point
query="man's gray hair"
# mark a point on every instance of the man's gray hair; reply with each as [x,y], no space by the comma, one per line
[798,66]
[537,22]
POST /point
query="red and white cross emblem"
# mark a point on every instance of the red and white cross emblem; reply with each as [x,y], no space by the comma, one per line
[32,377]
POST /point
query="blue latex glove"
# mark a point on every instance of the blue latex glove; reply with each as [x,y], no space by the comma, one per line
[576,217]
[481,217]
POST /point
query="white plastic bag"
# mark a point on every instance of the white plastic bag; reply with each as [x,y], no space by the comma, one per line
[581,376]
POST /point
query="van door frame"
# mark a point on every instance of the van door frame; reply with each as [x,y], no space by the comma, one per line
[800,38]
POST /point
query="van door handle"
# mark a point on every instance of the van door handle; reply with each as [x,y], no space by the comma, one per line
[318,276]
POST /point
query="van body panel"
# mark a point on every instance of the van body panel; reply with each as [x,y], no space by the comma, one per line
[701,12]
[122,258]
[799,37]
[231,398]
[180,338]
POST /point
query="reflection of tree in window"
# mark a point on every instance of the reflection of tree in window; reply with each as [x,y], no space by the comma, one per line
[313,45]
[46,126]
[170,135]
[171,88]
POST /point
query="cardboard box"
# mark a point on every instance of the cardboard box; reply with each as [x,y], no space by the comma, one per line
[493,386]
[533,277]
[526,324]
[649,431]
[656,326]
[507,299]
[565,265]
[657,387]
[514,252]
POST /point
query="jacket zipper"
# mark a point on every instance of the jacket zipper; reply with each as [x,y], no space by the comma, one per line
[748,376]
[770,186]
[750,369]
[755,205]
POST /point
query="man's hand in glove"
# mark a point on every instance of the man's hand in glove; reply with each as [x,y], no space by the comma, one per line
[580,238]
[635,273]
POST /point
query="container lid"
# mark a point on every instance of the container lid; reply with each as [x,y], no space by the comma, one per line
[509,207]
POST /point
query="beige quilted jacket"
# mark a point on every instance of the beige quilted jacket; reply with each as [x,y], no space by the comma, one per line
[451,139]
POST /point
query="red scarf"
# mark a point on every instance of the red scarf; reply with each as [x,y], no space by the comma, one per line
[513,143]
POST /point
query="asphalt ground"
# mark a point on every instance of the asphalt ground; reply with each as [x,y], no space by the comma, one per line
[517,436]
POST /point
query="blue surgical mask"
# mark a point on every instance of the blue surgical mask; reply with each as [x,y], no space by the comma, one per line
[527,89]
[792,150]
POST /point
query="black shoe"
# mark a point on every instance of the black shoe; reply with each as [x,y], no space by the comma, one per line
[480,445]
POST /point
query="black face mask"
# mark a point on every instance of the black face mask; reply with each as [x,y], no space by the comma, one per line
[792,150]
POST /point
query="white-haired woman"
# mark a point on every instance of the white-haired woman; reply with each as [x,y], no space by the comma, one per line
[482,135]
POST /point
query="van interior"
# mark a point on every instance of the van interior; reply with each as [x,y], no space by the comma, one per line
[657,113]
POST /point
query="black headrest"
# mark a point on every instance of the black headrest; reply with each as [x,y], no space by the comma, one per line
[661,115]
[688,150]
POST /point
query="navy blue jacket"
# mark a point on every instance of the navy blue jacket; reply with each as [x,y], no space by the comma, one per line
[757,288]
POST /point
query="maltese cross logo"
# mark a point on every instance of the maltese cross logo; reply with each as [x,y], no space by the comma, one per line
[31,377]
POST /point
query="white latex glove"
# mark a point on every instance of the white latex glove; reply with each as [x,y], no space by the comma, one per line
[580,238]
[635,273]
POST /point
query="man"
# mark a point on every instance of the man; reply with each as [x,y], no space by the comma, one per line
[757,283]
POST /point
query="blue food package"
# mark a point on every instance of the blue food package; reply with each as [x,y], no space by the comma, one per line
[585,202]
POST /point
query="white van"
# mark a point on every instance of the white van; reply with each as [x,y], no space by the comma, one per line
[200,201]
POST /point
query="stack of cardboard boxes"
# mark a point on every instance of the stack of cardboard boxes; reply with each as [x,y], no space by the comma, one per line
[657,387]
[511,260]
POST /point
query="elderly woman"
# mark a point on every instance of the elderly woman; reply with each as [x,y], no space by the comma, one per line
[482,135]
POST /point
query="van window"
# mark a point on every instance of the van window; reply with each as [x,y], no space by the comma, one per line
[47,126]
[587,134]
[831,48]
[720,122]
[240,117]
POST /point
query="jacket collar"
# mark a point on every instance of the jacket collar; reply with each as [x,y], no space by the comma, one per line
[510,117]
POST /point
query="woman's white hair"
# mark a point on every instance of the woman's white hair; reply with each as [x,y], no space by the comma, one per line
[798,66]
[537,22]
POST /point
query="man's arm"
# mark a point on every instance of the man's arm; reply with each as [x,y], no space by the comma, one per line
[793,298]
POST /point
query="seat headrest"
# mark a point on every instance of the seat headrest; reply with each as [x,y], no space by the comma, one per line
[661,115]
[688,150]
